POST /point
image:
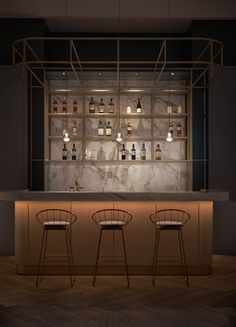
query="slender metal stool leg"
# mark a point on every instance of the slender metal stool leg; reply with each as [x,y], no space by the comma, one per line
[68,251]
[98,252]
[155,259]
[185,268]
[40,258]
[125,255]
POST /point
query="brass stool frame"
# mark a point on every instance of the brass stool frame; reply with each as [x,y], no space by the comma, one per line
[55,220]
[166,220]
[111,220]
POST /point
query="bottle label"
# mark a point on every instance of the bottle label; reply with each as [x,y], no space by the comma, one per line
[92,108]
[100,131]
[74,131]
[108,131]
[101,109]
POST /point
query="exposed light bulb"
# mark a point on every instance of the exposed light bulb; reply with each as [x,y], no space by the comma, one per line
[119,137]
[66,137]
[169,137]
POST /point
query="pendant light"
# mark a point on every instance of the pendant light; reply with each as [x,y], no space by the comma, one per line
[169,137]
[119,137]
[66,137]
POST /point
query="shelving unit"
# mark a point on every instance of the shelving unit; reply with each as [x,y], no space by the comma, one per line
[157,74]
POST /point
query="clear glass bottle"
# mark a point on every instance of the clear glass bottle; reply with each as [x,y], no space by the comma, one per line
[143,152]
[74,129]
[100,128]
[129,129]
[91,106]
[133,153]
[123,152]
[139,107]
[111,107]
[75,106]
[179,129]
[108,129]
[64,105]
[55,106]
[64,152]
[101,107]
[73,155]
[158,152]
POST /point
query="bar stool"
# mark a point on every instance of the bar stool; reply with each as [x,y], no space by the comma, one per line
[166,220]
[55,220]
[111,220]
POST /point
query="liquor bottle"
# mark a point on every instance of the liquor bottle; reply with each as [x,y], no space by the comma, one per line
[123,153]
[128,110]
[64,152]
[75,129]
[179,129]
[139,107]
[91,106]
[55,105]
[75,106]
[111,107]
[101,107]
[129,129]
[100,128]
[143,152]
[108,129]
[158,152]
[171,128]
[73,155]
[64,105]
[133,153]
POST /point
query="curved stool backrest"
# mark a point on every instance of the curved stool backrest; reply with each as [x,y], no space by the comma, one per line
[112,217]
[55,217]
[170,217]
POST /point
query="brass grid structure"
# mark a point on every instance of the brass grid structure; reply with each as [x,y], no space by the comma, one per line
[30,59]
[29,54]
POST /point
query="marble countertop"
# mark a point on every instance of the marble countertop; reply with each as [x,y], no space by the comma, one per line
[25,195]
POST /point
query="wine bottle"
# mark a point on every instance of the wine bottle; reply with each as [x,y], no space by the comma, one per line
[158,152]
[143,152]
[100,128]
[129,129]
[123,153]
[73,155]
[133,153]
[64,105]
[101,107]
[139,107]
[179,129]
[75,129]
[64,152]
[171,128]
[111,107]
[55,105]
[91,106]
[108,129]
[75,106]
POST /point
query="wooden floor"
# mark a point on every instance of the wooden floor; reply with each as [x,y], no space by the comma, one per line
[209,301]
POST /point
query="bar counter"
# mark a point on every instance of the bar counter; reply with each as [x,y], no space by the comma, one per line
[139,233]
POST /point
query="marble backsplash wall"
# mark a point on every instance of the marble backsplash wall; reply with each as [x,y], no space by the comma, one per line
[99,177]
